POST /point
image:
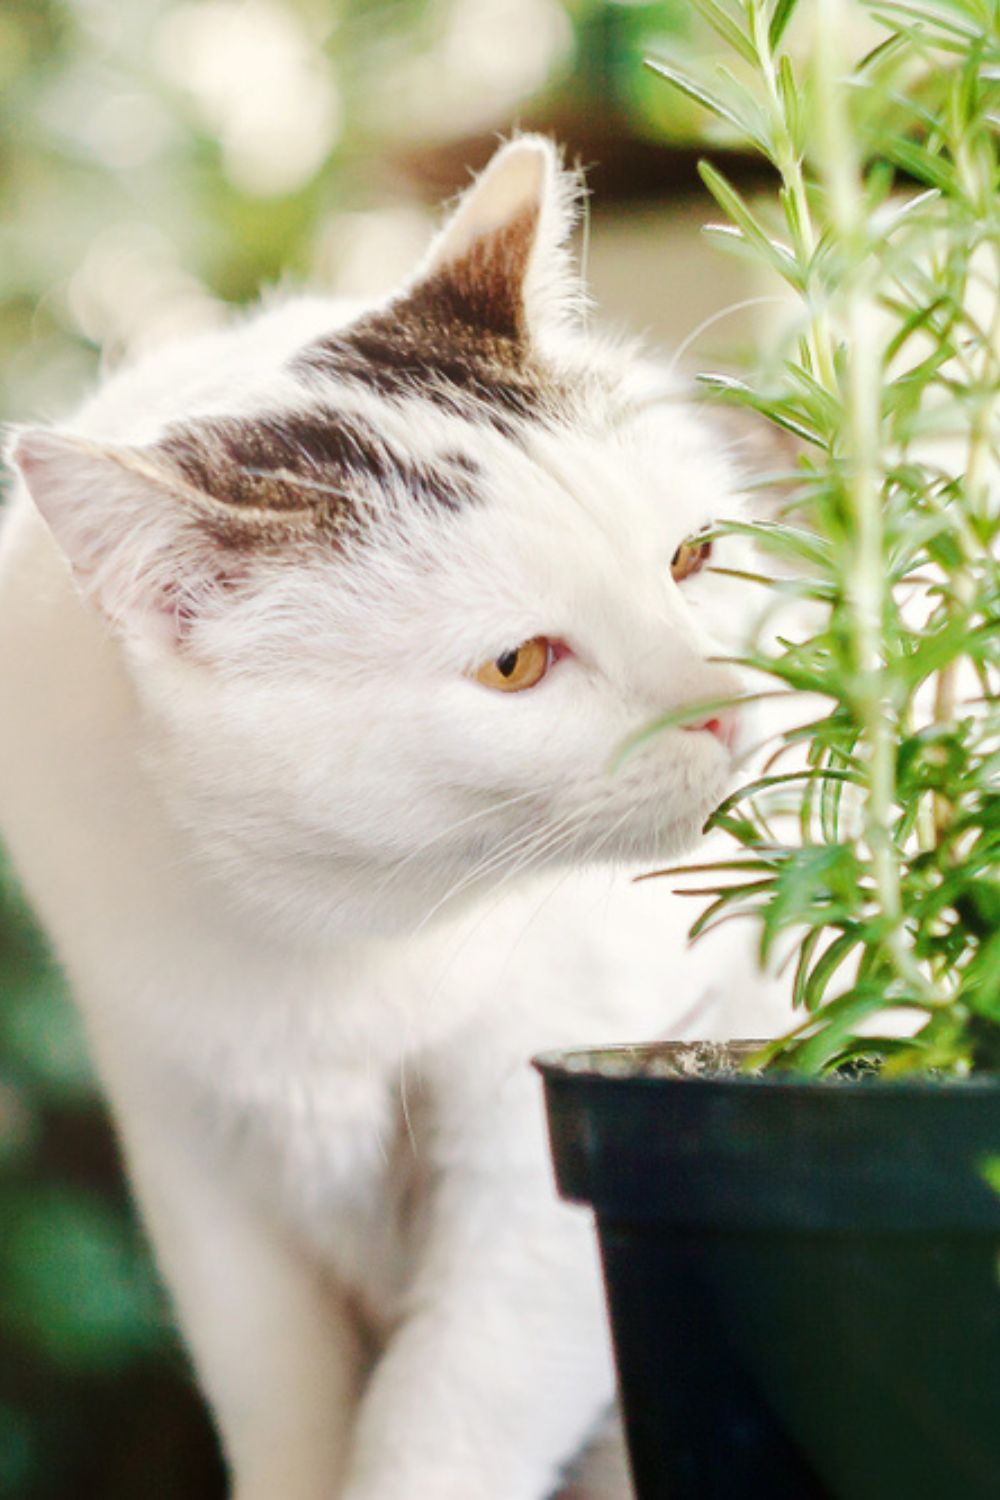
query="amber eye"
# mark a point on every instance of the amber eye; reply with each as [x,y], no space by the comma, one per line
[517,669]
[689,558]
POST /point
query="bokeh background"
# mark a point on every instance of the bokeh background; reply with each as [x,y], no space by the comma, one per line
[161,160]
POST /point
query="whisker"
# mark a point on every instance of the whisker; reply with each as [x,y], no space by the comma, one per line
[717,317]
[589,854]
[563,840]
[446,832]
[520,839]
[404,1103]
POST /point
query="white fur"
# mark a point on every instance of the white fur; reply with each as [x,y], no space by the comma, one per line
[257,857]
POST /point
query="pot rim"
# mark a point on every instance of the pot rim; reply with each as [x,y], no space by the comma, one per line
[579,1063]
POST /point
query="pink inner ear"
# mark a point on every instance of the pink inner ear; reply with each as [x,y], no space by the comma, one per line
[182,604]
[181,608]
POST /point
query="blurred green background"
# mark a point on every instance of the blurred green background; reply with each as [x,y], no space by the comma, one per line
[159,160]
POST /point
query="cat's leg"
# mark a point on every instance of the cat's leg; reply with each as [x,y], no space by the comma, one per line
[602,1471]
[489,1386]
[500,1366]
[277,1350]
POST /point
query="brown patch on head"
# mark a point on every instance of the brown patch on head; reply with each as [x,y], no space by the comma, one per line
[313,473]
[392,358]
[459,339]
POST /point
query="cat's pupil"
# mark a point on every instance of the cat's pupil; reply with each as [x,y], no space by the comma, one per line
[507,663]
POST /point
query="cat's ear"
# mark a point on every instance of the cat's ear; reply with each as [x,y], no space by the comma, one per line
[134,533]
[500,265]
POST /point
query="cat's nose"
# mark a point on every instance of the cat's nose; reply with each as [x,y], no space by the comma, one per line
[724,725]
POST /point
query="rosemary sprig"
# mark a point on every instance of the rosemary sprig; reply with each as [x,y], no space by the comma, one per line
[883,887]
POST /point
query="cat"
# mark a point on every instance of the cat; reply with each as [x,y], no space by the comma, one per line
[321,636]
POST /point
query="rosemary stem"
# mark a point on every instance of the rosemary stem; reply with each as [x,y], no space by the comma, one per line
[977,463]
[788,160]
[865,582]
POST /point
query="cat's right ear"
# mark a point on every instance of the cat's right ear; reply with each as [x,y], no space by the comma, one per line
[127,527]
[500,266]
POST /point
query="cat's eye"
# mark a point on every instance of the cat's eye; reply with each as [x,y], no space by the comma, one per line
[520,668]
[690,557]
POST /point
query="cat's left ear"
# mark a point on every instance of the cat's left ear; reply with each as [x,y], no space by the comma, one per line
[138,539]
[500,266]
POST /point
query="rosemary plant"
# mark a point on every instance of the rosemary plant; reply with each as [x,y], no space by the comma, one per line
[872,865]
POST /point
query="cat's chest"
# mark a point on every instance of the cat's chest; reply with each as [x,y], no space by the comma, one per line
[308,1128]
[312,1101]
[304,1092]
[339,1159]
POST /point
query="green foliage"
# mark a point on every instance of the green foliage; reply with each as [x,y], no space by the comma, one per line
[990,1171]
[874,869]
[75,1278]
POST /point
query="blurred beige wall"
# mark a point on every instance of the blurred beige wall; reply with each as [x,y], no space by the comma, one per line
[652,272]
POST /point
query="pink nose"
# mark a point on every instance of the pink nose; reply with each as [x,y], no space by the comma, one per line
[725,726]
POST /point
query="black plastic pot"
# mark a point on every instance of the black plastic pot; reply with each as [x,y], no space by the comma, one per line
[803,1276]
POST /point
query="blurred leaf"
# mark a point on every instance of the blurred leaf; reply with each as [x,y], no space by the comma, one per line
[17,1452]
[783,12]
[733,112]
[76,1281]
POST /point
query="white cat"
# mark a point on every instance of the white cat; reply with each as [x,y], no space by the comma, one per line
[319,638]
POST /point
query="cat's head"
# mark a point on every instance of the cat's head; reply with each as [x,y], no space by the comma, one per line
[394,603]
